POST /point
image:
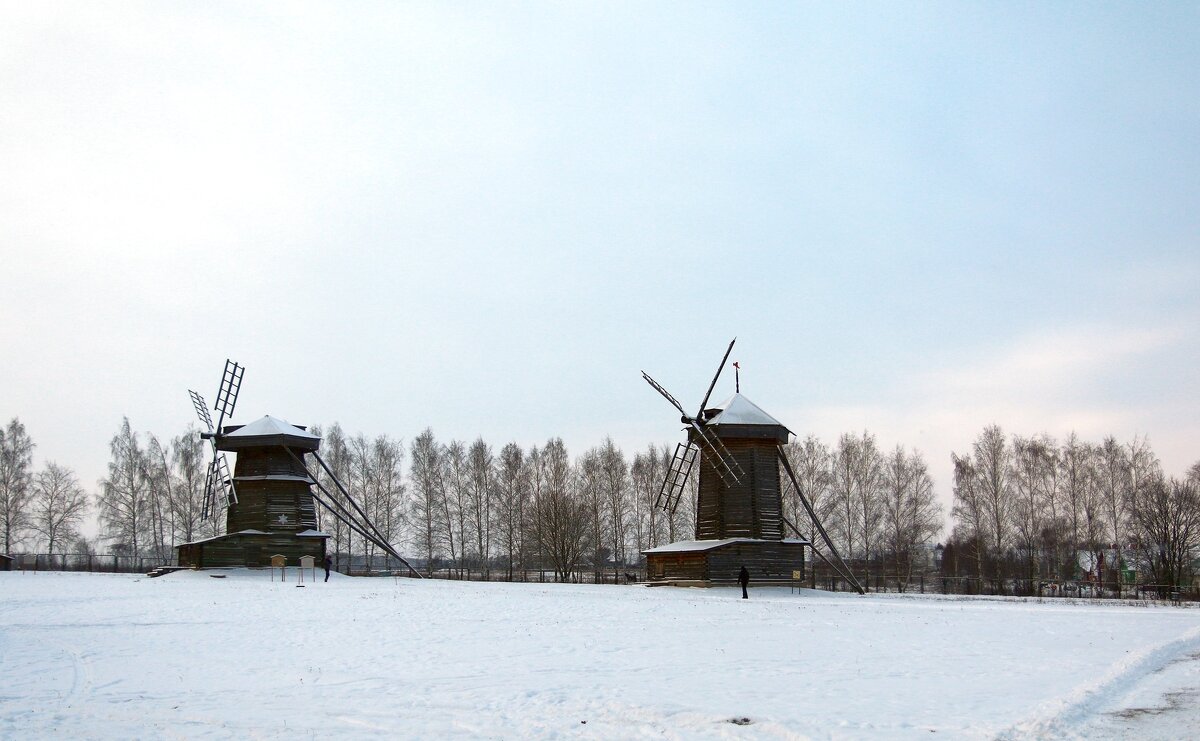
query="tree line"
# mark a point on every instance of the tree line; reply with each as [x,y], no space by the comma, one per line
[1029,510]
[1023,508]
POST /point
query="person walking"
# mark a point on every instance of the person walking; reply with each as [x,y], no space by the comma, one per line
[744,580]
[328,565]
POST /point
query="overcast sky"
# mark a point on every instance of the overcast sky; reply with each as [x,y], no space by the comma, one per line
[917,218]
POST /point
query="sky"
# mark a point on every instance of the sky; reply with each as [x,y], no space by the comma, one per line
[486,218]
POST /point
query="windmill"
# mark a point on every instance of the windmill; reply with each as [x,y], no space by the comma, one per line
[739,505]
[269,504]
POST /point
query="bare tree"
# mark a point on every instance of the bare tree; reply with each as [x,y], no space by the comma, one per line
[1052,505]
[616,490]
[993,469]
[454,502]
[512,492]
[589,478]
[481,499]
[336,454]
[855,488]
[911,513]
[969,510]
[1166,518]
[124,498]
[188,466]
[16,476]
[812,463]
[59,505]
[160,494]
[646,473]
[426,476]
[1075,464]
[559,517]
[388,464]
[841,490]
[1031,458]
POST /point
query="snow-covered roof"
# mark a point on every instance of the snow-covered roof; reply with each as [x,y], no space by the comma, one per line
[267,431]
[697,546]
[738,410]
[685,546]
[312,534]
[269,425]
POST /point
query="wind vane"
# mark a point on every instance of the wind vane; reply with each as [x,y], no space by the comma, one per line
[737,377]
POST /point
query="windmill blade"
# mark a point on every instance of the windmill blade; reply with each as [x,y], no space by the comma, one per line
[715,452]
[218,483]
[207,509]
[666,394]
[677,476]
[231,383]
[201,409]
[711,386]
[225,481]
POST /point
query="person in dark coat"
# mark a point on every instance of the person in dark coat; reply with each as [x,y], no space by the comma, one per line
[328,566]
[744,580]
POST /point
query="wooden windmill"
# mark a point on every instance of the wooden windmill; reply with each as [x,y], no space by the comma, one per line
[269,503]
[739,506]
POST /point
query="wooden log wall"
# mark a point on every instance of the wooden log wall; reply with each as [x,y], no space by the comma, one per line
[768,561]
[749,509]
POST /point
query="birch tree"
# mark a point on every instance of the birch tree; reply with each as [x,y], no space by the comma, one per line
[615,483]
[559,516]
[189,467]
[454,502]
[481,499]
[1030,460]
[16,479]
[511,495]
[425,475]
[969,510]
[812,462]
[124,497]
[59,506]
[911,513]
[388,464]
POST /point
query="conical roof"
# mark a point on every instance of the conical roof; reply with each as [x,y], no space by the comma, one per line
[738,410]
[268,431]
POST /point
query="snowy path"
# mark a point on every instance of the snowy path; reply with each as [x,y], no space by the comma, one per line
[188,656]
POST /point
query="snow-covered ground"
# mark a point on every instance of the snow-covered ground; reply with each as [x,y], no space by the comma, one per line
[189,656]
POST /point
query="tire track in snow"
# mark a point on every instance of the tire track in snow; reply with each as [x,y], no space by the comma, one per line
[1064,717]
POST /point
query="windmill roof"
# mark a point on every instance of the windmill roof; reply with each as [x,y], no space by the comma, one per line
[269,425]
[738,410]
[268,431]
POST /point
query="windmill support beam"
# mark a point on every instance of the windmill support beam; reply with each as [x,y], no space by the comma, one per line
[354,526]
[350,520]
[787,466]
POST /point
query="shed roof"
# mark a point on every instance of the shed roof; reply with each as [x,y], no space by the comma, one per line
[697,546]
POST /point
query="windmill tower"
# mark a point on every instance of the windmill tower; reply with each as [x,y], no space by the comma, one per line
[270,504]
[739,506]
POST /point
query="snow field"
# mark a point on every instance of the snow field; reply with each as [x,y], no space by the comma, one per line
[189,656]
